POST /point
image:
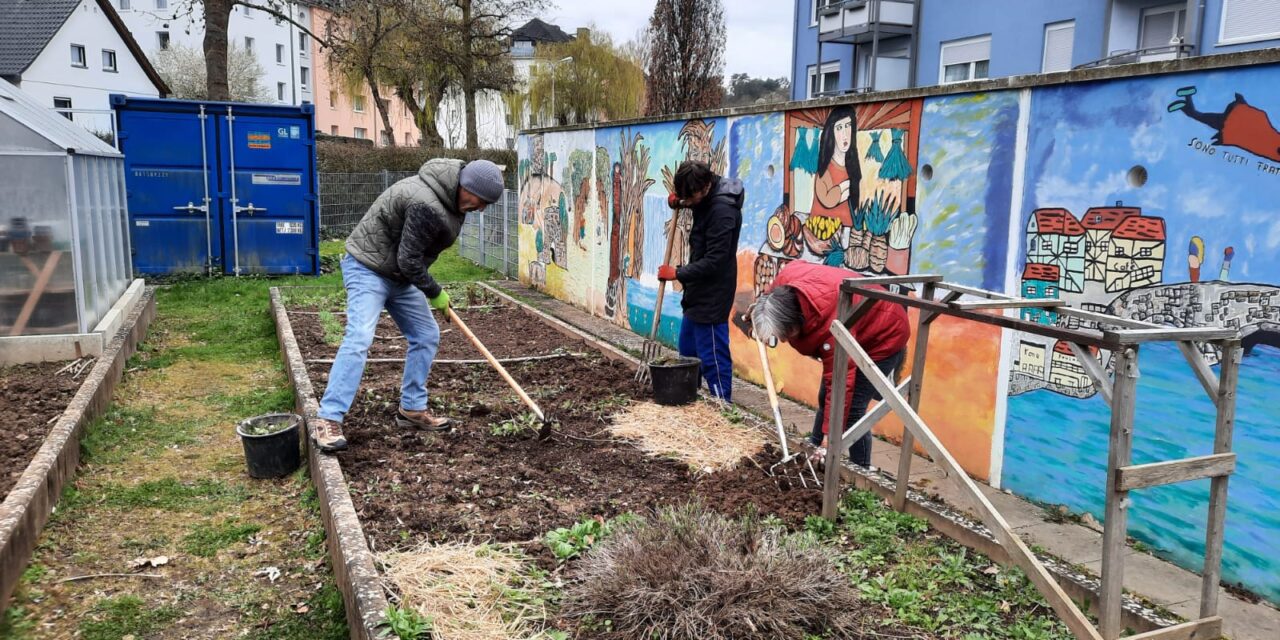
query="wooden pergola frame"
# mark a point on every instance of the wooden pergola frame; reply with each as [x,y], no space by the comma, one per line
[1121,336]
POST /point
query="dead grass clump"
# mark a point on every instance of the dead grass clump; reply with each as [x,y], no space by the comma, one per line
[698,433]
[470,592]
[689,573]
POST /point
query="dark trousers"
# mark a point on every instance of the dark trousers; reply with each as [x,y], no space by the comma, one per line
[863,394]
[710,344]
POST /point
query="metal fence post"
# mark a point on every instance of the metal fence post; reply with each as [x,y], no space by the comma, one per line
[506,263]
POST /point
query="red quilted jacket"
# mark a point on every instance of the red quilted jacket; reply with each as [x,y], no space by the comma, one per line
[882,331]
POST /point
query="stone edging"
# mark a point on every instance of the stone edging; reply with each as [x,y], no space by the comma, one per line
[26,509]
[353,565]
[958,526]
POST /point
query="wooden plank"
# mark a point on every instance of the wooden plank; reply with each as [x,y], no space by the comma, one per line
[908,448]
[1119,454]
[876,414]
[1089,338]
[1204,373]
[37,290]
[1012,303]
[1094,369]
[1018,551]
[1229,370]
[851,285]
[1160,473]
[973,291]
[835,404]
[928,317]
[1202,629]
[1106,319]
[1198,334]
[856,313]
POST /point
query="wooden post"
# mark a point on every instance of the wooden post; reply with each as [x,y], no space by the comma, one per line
[835,404]
[1228,375]
[1123,397]
[913,397]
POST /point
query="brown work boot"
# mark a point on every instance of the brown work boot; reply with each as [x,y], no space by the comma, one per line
[422,420]
[328,435]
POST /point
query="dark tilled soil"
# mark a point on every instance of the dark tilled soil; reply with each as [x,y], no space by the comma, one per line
[31,396]
[505,331]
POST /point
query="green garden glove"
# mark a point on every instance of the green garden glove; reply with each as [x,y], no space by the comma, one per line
[441,302]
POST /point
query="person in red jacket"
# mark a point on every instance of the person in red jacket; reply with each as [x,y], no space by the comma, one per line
[799,309]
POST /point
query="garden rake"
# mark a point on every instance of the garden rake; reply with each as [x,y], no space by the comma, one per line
[787,456]
[649,352]
[545,430]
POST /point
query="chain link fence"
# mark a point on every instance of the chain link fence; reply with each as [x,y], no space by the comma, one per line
[488,238]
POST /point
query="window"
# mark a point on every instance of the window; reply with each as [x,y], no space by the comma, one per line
[77,56]
[1059,41]
[333,130]
[304,77]
[1144,252]
[965,60]
[126,5]
[818,5]
[1117,251]
[333,99]
[1046,245]
[162,4]
[407,143]
[1249,21]
[248,44]
[302,43]
[824,80]
[1029,292]
[63,103]
[361,133]
[1160,25]
[357,104]
[386,138]
[1071,247]
[279,54]
[108,60]
[280,91]
[1050,291]
[248,12]
[162,40]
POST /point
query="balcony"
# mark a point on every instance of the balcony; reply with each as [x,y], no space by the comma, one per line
[859,21]
[1151,54]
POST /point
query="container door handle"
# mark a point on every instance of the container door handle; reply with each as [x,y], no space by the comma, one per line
[250,209]
[192,208]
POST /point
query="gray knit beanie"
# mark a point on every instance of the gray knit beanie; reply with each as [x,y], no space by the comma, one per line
[483,178]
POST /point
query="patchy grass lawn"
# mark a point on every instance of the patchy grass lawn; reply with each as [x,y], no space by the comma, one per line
[164,475]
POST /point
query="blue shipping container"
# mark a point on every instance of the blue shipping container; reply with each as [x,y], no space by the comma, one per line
[217,187]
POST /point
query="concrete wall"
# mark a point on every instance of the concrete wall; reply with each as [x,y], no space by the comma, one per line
[1171,208]
[52,75]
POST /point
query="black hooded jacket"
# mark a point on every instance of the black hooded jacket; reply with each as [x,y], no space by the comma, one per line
[710,278]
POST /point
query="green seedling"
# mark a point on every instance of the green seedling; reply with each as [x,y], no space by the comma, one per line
[406,624]
[525,422]
[569,543]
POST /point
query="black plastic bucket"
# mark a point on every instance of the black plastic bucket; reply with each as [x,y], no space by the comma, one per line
[275,454]
[676,381]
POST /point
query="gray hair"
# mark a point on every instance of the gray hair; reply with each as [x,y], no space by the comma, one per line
[776,315]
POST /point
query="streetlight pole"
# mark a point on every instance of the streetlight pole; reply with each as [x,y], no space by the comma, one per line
[554,67]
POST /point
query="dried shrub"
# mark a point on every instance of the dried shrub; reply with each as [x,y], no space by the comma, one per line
[688,573]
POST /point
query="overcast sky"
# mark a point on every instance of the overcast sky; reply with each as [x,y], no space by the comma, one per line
[759,31]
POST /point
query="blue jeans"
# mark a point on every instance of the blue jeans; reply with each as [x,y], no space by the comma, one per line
[367,294]
[863,394]
[710,344]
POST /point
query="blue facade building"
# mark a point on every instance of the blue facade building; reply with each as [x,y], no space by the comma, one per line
[890,44]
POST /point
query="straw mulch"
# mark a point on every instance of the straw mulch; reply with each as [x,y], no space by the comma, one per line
[471,592]
[698,434]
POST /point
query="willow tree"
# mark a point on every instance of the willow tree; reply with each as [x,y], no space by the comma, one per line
[599,83]
[686,41]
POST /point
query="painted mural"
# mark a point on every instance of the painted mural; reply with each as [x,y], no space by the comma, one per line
[1154,199]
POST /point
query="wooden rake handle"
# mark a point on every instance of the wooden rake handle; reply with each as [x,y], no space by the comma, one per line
[662,284]
[497,366]
[773,399]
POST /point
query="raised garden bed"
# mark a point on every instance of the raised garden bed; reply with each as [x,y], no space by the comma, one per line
[32,396]
[492,481]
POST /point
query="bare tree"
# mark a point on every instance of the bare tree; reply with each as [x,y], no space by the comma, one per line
[472,43]
[183,69]
[361,38]
[686,56]
[216,15]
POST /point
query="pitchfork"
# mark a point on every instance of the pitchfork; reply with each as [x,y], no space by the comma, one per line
[787,456]
[649,352]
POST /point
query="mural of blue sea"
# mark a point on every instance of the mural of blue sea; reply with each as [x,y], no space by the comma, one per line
[1174,420]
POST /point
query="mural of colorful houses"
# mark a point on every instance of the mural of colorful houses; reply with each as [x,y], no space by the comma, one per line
[1007,190]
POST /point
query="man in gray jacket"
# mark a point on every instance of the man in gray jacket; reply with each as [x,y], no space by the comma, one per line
[386,266]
